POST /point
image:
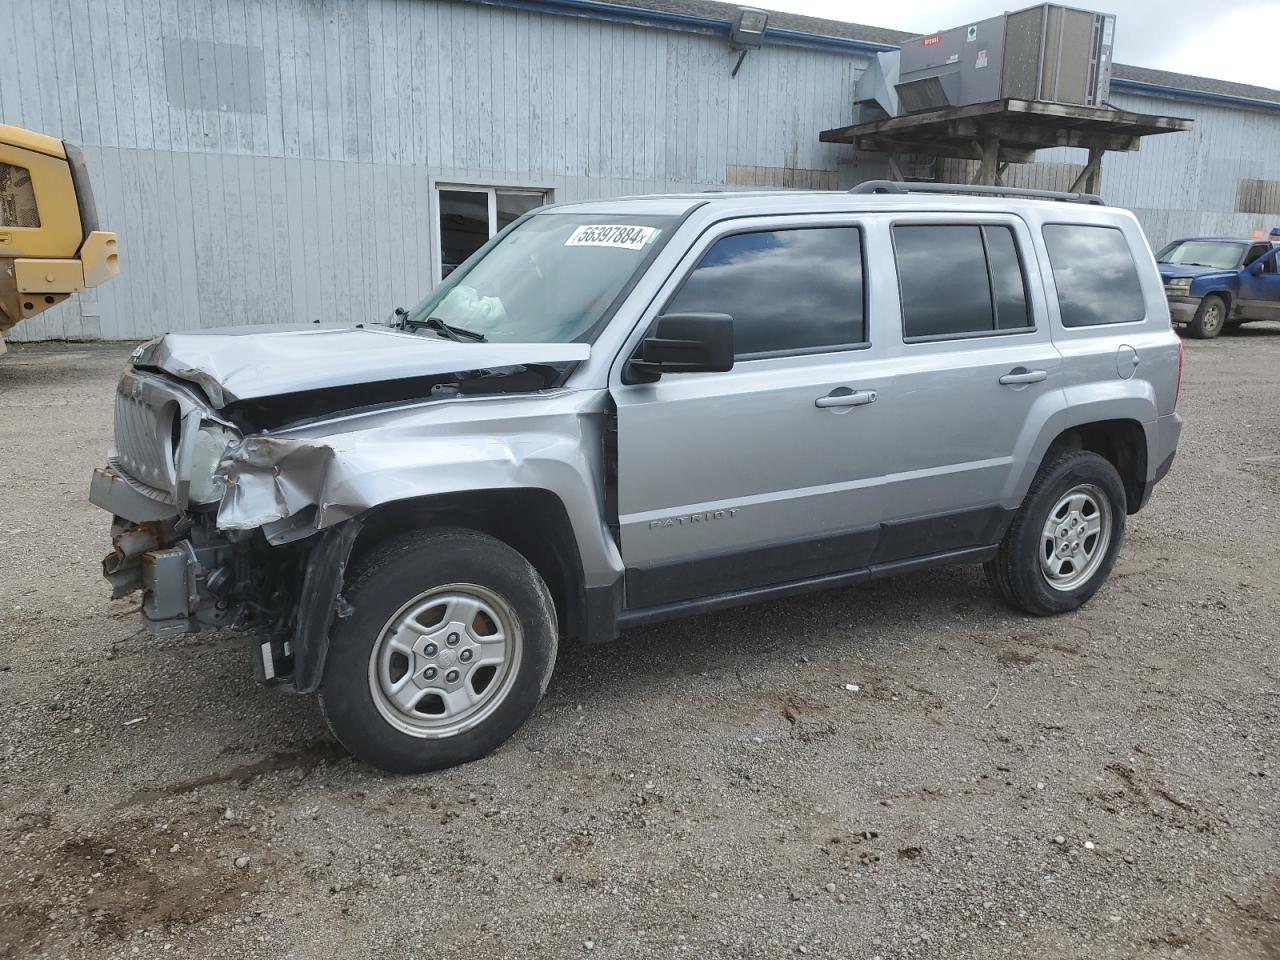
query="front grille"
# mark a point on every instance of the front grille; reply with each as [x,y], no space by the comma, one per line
[147,424]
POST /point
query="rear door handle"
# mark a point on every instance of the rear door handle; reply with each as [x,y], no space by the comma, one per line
[1021,375]
[854,398]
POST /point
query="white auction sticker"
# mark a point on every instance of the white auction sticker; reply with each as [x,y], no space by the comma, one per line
[606,235]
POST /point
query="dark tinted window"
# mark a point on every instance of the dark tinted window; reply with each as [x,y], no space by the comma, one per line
[1095,275]
[785,289]
[959,279]
[1007,285]
[1258,251]
[464,226]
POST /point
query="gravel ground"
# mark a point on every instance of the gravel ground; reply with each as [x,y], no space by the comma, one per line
[1096,785]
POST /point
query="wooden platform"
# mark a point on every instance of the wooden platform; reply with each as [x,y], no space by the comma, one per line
[1008,131]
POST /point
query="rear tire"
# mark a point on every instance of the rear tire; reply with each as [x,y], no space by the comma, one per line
[449,647]
[1045,567]
[1210,318]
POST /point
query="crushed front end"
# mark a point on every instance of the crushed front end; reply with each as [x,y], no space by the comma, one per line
[162,488]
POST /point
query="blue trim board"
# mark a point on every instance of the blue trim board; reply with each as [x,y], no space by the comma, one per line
[641,17]
[663,20]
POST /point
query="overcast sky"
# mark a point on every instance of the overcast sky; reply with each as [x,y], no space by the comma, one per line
[1228,39]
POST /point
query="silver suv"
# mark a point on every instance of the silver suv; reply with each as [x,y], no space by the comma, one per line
[626,411]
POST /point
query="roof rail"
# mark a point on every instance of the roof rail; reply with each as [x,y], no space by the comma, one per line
[901,187]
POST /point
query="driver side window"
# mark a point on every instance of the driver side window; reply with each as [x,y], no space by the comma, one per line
[788,291]
[1256,251]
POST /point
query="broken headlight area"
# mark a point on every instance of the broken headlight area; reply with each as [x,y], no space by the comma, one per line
[210,444]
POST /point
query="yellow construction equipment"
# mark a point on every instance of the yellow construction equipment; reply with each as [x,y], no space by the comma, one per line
[50,244]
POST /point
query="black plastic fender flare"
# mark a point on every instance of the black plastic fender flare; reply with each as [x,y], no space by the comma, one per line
[319,601]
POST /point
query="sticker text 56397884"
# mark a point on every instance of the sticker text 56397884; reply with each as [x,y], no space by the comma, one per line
[607,235]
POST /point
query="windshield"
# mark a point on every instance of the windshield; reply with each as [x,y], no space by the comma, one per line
[1203,253]
[552,278]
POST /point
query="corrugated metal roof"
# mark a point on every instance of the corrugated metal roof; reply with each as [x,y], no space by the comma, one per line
[1222,88]
[816,26]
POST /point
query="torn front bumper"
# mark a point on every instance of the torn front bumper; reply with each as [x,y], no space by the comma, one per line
[183,580]
[193,577]
[121,497]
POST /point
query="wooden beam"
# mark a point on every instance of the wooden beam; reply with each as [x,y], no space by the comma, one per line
[1041,121]
[1039,138]
[986,174]
[1094,183]
[1090,178]
[956,150]
[886,145]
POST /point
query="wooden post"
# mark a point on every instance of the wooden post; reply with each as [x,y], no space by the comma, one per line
[1090,179]
[1094,184]
[988,174]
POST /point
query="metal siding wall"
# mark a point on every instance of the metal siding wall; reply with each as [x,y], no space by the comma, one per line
[1190,189]
[1184,184]
[283,168]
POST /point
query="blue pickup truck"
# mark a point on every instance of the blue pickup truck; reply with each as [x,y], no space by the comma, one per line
[1212,282]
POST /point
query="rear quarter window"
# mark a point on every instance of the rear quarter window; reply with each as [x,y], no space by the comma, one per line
[1095,275]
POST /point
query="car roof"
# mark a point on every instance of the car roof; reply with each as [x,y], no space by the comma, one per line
[749,202]
[1220,240]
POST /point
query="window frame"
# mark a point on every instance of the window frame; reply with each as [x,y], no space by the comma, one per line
[980,222]
[1266,249]
[491,191]
[863,344]
[1056,299]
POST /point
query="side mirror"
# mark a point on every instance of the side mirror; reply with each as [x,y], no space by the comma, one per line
[683,343]
[1256,267]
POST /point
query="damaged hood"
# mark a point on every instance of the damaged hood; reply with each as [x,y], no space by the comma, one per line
[236,364]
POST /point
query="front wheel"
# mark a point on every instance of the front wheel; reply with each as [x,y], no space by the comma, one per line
[1063,540]
[1210,318]
[449,647]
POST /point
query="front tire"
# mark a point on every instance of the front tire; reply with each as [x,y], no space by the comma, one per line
[1210,318]
[450,646]
[1063,541]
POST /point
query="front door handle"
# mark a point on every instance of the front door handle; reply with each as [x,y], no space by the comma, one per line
[853,398]
[1022,375]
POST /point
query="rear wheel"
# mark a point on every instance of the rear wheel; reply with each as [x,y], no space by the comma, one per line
[1210,318]
[1064,538]
[449,647]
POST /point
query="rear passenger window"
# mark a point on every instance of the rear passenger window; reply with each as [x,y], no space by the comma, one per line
[787,290]
[959,280]
[1094,272]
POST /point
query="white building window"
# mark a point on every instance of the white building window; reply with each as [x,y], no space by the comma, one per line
[468,216]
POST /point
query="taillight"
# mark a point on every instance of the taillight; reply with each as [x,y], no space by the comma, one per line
[1177,391]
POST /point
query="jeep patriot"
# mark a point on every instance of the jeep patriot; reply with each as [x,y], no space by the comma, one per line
[625,411]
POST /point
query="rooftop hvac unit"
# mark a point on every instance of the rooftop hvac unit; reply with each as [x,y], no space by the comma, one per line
[1049,52]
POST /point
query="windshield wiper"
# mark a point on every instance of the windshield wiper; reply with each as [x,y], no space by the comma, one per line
[449,331]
